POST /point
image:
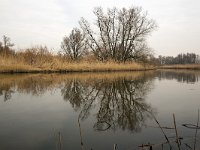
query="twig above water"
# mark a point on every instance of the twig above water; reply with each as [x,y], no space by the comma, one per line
[177,137]
[195,137]
[161,129]
[159,144]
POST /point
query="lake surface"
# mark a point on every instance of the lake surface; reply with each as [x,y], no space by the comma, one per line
[98,110]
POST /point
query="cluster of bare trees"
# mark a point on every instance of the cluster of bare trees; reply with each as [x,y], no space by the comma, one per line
[120,35]
[187,77]
[189,58]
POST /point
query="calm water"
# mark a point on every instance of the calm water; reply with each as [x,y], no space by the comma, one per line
[95,111]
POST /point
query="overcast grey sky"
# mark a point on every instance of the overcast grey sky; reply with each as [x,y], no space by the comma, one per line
[45,22]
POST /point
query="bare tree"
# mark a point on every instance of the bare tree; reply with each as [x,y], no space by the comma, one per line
[74,44]
[5,45]
[119,34]
[6,42]
[1,46]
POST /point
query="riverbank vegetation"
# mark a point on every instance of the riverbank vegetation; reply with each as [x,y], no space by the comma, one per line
[29,62]
[115,42]
[181,61]
[40,59]
[181,66]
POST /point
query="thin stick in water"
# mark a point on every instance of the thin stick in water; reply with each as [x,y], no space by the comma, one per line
[195,137]
[115,147]
[177,138]
[60,140]
[161,129]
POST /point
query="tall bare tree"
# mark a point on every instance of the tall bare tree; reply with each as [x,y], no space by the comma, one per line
[119,33]
[74,45]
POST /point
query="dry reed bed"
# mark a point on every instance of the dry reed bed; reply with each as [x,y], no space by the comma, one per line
[11,64]
[180,66]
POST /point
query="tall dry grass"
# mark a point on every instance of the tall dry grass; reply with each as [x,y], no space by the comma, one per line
[14,64]
[39,59]
[181,66]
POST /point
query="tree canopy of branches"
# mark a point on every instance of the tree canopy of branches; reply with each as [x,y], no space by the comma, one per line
[120,33]
[73,45]
[5,46]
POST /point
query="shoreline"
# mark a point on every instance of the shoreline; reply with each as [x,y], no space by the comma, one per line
[93,70]
[72,71]
[181,67]
[81,67]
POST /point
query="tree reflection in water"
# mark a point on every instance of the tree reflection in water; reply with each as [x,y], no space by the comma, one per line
[119,103]
[7,94]
[34,84]
[118,99]
[183,76]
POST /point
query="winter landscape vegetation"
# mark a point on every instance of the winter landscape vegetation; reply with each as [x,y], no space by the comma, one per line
[105,87]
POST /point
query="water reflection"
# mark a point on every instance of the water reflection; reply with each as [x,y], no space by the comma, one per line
[103,101]
[34,84]
[184,76]
[117,99]
[74,91]
[118,103]
[6,93]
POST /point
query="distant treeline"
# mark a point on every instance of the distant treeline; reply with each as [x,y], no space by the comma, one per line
[188,58]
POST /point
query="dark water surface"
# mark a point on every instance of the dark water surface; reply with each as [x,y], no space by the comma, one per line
[95,111]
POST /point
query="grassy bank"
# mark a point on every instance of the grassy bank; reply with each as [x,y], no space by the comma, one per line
[22,64]
[181,66]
